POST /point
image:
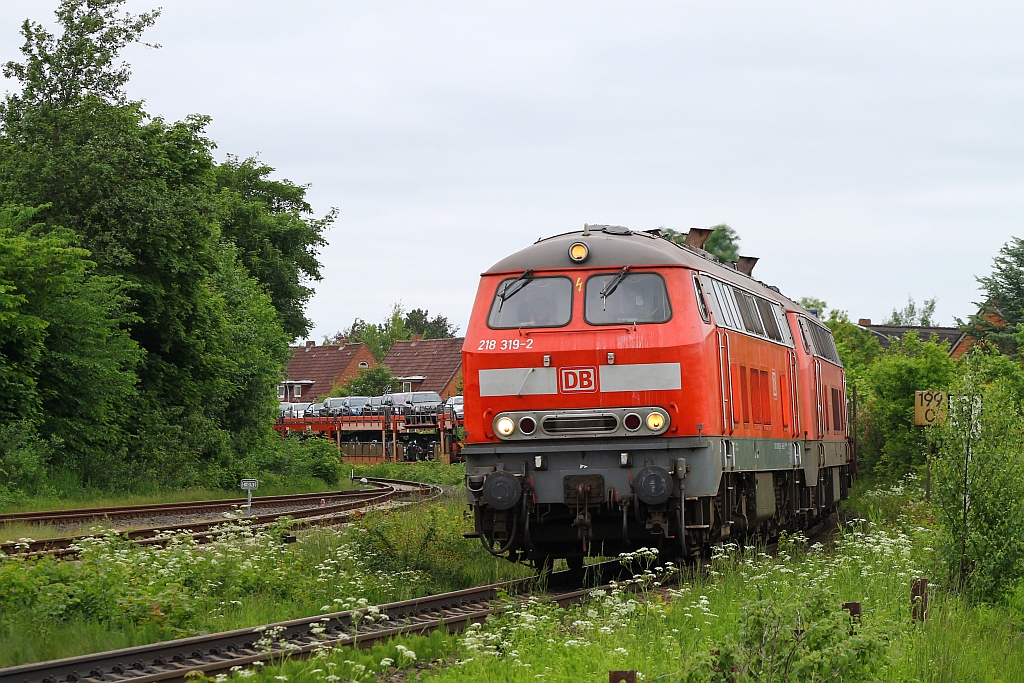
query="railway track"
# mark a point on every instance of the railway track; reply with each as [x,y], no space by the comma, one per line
[219,652]
[336,508]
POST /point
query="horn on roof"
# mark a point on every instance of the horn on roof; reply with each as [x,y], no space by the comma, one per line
[697,237]
[746,264]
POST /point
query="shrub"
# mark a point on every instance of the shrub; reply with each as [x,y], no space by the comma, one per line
[296,458]
[23,457]
[891,442]
[979,488]
[792,641]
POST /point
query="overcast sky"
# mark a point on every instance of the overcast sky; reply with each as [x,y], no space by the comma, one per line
[865,151]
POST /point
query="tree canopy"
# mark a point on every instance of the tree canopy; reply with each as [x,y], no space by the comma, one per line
[998,322]
[147,292]
[399,325]
[912,316]
[372,381]
[724,242]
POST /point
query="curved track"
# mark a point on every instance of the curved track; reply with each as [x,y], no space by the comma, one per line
[337,508]
[219,652]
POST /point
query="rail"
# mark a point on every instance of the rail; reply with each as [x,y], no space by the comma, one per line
[298,638]
[340,510]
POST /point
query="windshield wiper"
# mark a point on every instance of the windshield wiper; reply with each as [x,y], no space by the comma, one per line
[611,286]
[521,281]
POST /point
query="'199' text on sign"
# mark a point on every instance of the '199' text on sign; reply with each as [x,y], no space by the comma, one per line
[929,407]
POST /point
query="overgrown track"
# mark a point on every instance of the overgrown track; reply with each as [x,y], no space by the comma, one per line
[219,652]
[129,512]
[338,507]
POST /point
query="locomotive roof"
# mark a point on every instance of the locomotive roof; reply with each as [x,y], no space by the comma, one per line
[616,246]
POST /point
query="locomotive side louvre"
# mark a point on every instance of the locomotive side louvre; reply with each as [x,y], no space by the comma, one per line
[643,395]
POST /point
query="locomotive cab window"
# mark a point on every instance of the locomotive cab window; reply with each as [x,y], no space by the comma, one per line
[625,297]
[528,301]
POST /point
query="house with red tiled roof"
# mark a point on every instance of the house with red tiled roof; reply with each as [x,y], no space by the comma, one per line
[427,364]
[313,370]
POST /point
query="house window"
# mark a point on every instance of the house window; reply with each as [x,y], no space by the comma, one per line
[297,391]
[363,364]
[406,386]
[281,392]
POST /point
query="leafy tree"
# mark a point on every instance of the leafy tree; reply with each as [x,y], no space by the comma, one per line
[418,321]
[378,337]
[999,318]
[270,222]
[175,240]
[372,381]
[66,365]
[724,242]
[399,325]
[59,72]
[910,316]
[858,348]
[893,444]
[814,305]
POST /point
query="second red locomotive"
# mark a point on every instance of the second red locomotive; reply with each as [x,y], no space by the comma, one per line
[622,390]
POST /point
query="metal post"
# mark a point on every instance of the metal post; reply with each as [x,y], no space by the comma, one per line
[248,512]
[928,453]
[963,537]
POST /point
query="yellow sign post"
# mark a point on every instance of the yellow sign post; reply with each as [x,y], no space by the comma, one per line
[929,407]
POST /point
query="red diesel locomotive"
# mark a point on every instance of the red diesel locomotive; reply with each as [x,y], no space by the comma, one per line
[622,390]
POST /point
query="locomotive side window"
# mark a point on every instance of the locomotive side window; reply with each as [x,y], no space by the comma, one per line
[783,323]
[771,325]
[624,297]
[748,312]
[744,311]
[531,302]
[701,304]
[728,318]
[805,336]
[822,343]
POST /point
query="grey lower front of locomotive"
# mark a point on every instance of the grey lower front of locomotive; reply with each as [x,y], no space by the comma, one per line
[604,496]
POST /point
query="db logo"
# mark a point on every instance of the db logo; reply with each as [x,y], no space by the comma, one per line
[578,379]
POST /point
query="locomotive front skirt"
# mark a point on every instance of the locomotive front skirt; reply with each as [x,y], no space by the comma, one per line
[622,391]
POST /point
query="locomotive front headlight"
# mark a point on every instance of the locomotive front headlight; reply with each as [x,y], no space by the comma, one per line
[578,252]
[655,421]
[505,426]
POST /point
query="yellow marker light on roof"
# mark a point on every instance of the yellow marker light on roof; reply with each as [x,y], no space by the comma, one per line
[655,421]
[578,252]
[505,426]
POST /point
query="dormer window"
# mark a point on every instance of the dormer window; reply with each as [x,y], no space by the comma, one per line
[363,364]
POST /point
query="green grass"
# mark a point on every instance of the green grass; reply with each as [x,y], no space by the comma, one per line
[117,594]
[747,603]
[426,471]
